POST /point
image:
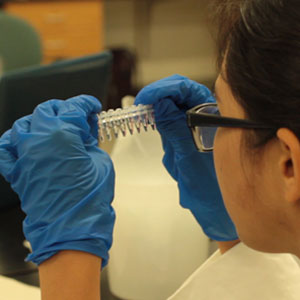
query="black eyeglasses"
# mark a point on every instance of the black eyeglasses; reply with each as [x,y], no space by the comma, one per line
[204,120]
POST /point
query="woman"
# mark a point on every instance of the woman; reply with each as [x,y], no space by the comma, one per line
[65,182]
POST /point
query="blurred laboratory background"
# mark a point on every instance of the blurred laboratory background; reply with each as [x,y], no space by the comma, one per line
[110,49]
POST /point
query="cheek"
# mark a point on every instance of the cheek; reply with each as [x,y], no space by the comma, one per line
[243,190]
[230,172]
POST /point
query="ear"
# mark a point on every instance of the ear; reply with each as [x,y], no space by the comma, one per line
[289,164]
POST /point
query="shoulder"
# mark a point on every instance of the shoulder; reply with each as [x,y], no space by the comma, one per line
[243,273]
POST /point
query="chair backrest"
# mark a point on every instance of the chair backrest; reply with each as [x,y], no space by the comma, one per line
[21,91]
[20,45]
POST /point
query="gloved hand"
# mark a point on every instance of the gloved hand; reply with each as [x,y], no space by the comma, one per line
[64,181]
[193,171]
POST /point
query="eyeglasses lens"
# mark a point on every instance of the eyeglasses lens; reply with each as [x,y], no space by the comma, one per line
[207,134]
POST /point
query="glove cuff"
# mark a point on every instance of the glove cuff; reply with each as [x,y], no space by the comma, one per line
[90,235]
[96,247]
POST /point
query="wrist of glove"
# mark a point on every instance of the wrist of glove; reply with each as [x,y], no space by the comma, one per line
[202,196]
[64,181]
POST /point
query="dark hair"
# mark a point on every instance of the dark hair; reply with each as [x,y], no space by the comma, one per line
[259,42]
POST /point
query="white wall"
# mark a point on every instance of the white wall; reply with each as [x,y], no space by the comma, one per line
[169,36]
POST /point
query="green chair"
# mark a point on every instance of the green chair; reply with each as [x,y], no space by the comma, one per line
[20,45]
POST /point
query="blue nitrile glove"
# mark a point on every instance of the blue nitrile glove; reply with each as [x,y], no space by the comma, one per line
[64,181]
[193,171]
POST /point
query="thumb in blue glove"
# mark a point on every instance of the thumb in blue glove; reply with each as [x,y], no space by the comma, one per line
[64,180]
[193,171]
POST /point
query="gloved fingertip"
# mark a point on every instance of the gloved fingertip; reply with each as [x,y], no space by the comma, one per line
[89,104]
[49,108]
[141,98]
[146,95]
[22,125]
[196,93]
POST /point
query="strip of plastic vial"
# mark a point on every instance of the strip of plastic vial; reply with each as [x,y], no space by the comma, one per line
[113,122]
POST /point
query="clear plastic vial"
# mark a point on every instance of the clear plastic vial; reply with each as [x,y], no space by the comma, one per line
[131,118]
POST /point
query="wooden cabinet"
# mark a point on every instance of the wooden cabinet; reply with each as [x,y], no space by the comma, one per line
[67,28]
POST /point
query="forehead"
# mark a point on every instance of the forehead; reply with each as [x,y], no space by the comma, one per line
[227,103]
[222,89]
